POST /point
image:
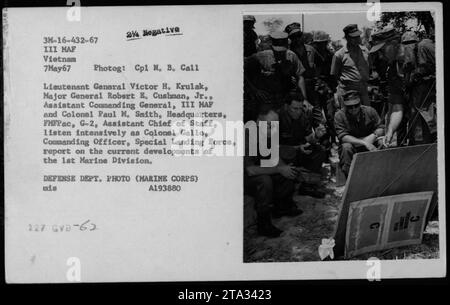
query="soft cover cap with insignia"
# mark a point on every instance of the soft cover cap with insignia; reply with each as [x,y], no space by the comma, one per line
[293,29]
[279,41]
[249,18]
[351,97]
[352,30]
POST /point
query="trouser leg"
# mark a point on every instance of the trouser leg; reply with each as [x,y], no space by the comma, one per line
[261,188]
[330,111]
[346,152]
[283,189]
[364,92]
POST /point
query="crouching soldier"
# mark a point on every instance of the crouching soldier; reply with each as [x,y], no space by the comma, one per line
[358,128]
[296,133]
[271,186]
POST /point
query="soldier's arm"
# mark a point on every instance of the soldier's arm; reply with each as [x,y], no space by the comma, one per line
[394,121]
[425,59]
[287,171]
[302,87]
[335,71]
[299,70]
[255,170]
[343,133]
[378,126]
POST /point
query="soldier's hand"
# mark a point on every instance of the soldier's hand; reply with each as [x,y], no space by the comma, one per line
[379,143]
[320,131]
[288,171]
[293,80]
[337,101]
[307,105]
[371,147]
[387,139]
[304,149]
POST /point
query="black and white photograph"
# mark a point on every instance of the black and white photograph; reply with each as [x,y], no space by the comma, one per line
[355,102]
[238,143]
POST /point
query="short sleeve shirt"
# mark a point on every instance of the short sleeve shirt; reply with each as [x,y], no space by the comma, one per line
[293,132]
[306,57]
[267,60]
[426,56]
[275,77]
[368,122]
[351,66]
[426,52]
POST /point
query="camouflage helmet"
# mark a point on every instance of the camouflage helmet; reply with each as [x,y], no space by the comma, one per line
[409,37]
[321,36]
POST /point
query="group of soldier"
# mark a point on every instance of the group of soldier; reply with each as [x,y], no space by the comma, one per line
[355,99]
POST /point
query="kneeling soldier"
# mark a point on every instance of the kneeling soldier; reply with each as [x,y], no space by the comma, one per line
[358,128]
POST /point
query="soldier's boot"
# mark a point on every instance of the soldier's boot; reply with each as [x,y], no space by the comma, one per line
[265,226]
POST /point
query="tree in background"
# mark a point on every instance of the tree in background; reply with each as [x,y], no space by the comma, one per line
[273,24]
[420,22]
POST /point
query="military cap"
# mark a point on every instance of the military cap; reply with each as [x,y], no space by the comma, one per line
[249,18]
[351,97]
[409,37]
[293,28]
[352,30]
[380,38]
[279,40]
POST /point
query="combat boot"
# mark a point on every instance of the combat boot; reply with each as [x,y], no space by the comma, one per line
[265,226]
